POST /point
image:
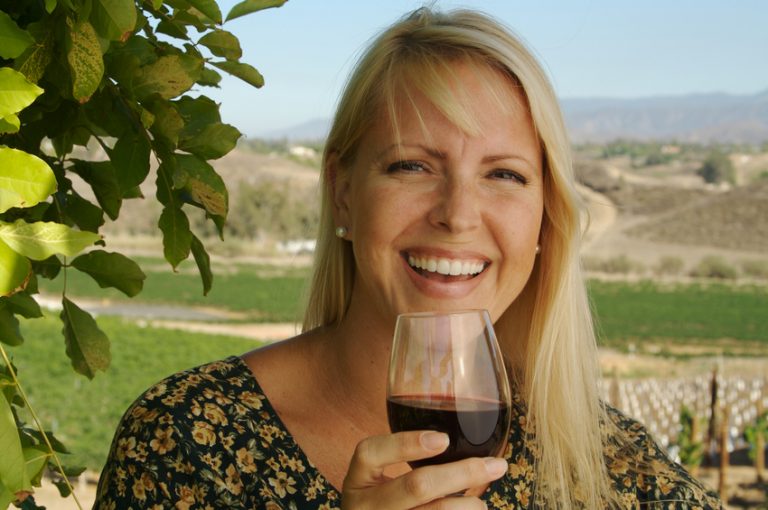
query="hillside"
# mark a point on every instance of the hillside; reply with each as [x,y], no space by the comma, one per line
[696,118]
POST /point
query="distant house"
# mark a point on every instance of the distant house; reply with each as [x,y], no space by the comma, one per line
[302,152]
[297,246]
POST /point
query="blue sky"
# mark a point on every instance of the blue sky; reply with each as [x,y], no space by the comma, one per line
[591,48]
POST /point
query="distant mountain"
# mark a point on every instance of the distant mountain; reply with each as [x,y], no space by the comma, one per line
[312,130]
[698,118]
[693,118]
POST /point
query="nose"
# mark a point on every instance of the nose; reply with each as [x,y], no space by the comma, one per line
[457,208]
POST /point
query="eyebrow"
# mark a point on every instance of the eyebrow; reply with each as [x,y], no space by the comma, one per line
[435,153]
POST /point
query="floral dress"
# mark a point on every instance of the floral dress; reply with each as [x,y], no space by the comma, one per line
[208,438]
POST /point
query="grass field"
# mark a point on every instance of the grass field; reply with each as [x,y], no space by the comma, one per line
[701,314]
[85,413]
[262,293]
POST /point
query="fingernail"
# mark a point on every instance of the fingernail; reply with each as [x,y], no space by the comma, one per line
[495,466]
[434,440]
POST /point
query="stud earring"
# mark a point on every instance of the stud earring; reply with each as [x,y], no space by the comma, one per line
[341,232]
[538,249]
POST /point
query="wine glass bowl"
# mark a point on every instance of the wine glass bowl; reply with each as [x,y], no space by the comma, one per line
[446,373]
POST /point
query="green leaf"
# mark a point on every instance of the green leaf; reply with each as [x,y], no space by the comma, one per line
[245,72]
[35,459]
[13,40]
[48,268]
[168,77]
[114,19]
[197,113]
[213,142]
[209,8]
[168,122]
[23,304]
[85,60]
[40,240]
[85,215]
[25,180]
[14,270]
[202,182]
[112,270]
[249,6]
[6,496]
[103,180]
[16,92]
[177,238]
[209,78]
[203,262]
[175,29]
[9,328]
[33,62]
[130,159]
[10,124]
[86,345]
[222,44]
[12,472]
[50,5]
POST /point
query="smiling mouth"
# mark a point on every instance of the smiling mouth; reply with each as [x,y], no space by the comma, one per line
[445,268]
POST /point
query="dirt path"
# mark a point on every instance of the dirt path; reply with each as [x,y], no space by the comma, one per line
[267,332]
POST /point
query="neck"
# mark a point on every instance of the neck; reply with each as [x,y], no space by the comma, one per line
[353,362]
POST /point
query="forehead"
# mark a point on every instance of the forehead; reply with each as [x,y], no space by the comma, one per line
[474,99]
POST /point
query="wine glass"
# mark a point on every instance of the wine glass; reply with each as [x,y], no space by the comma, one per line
[446,374]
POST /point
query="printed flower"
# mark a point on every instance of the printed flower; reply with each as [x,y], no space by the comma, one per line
[283,484]
[213,461]
[522,493]
[294,464]
[245,461]
[175,398]
[251,399]
[214,414]
[155,391]
[142,485]
[124,446]
[232,480]
[203,433]
[496,500]
[186,497]
[163,442]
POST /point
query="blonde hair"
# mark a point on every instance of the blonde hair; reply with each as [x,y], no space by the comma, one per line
[547,333]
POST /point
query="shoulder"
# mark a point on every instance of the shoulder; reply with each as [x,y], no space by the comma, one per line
[179,439]
[643,473]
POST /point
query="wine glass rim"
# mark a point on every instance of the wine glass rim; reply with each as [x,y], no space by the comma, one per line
[441,313]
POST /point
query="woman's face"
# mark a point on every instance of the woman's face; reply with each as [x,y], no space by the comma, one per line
[438,219]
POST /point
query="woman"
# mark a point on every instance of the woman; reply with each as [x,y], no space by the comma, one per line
[448,185]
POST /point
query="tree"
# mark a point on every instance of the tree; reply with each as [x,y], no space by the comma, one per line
[717,168]
[120,73]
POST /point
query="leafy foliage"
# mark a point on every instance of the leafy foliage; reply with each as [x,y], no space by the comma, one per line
[117,73]
[691,447]
[717,168]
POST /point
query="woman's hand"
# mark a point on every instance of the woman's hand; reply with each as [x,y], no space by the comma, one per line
[367,487]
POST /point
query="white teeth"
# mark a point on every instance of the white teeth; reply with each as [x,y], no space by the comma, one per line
[446,266]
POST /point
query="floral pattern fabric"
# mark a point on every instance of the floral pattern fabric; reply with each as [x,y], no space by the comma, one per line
[208,438]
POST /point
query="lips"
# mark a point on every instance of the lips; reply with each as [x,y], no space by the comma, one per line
[428,265]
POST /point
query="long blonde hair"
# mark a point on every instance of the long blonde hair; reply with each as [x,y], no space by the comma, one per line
[547,333]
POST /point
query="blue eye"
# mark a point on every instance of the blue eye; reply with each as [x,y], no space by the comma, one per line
[406,166]
[506,175]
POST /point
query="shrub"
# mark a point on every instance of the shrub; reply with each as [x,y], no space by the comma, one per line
[619,264]
[714,267]
[755,268]
[669,266]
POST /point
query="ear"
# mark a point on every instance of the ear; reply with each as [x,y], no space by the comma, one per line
[338,188]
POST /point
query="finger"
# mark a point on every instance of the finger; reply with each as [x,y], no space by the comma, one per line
[425,485]
[373,454]
[454,503]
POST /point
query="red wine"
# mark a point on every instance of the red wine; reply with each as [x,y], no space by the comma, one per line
[476,428]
